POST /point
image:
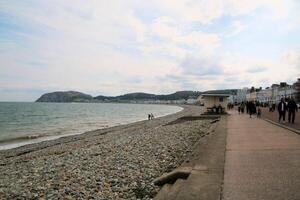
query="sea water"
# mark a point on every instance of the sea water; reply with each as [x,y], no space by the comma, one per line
[25,123]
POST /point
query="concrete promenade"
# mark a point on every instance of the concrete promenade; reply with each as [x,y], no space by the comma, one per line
[262,161]
[273,116]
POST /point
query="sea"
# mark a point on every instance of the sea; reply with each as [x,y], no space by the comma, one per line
[26,123]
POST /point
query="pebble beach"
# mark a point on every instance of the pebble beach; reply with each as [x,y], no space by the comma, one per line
[113,163]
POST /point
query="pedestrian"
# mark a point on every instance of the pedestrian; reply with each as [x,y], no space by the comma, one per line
[273,107]
[243,107]
[247,107]
[215,109]
[152,116]
[258,112]
[281,110]
[251,108]
[292,108]
[149,116]
[220,109]
[254,108]
[239,109]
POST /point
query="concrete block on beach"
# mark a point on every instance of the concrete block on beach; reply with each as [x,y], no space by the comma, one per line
[180,173]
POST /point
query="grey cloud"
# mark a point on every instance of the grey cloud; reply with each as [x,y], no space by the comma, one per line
[257,70]
[182,80]
[232,84]
[201,66]
[231,79]
[37,64]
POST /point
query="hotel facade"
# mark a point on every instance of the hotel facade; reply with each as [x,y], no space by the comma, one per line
[271,94]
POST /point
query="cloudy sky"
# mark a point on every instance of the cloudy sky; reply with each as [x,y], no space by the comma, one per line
[159,46]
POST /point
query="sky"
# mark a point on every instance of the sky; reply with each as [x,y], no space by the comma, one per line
[114,47]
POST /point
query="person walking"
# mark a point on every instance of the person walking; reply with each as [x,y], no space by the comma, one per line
[281,110]
[292,108]
[152,116]
[258,112]
[247,107]
[251,108]
[254,108]
[243,107]
[273,107]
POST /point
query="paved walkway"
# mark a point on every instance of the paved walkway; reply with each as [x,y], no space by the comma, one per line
[262,161]
[274,117]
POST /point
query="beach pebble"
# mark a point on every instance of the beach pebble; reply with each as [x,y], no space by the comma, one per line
[120,164]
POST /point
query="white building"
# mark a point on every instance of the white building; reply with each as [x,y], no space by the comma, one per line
[211,99]
[232,99]
[264,96]
[286,92]
[241,95]
[191,101]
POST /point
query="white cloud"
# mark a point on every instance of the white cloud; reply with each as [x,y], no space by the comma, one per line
[235,28]
[177,36]
[105,46]
[292,58]
[207,11]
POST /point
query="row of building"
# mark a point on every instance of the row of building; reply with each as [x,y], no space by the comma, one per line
[179,101]
[271,94]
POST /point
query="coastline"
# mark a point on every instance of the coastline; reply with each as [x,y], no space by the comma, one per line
[38,138]
[111,163]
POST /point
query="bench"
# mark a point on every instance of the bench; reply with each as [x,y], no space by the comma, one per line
[215,110]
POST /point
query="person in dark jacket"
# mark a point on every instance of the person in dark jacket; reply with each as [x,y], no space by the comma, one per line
[247,107]
[251,108]
[254,108]
[281,110]
[292,108]
[243,107]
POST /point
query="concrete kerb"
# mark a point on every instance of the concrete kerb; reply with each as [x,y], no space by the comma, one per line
[182,172]
[282,126]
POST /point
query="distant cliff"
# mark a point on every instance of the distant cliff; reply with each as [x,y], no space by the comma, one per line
[69,96]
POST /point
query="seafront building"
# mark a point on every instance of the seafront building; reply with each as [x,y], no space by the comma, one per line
[241,95]
[296,86]
[271,94]
[179,101]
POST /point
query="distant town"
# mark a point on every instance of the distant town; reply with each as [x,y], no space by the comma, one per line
[271,94]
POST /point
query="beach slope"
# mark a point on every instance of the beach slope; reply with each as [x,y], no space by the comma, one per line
[114,163]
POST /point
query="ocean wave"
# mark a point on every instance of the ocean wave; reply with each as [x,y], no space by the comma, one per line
[44,122]
[21,138]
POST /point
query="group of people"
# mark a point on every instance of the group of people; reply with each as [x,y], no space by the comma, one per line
[230,106]
[287,105]
[217,109]
[251,107]
[150,116]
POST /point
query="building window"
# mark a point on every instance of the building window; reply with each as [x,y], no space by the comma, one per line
[221,99]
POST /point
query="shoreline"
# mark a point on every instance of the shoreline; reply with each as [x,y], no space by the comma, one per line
[66,138]
[113,163]
[28,140]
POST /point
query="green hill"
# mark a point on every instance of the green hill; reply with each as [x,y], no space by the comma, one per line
[69,96]
[73,96]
